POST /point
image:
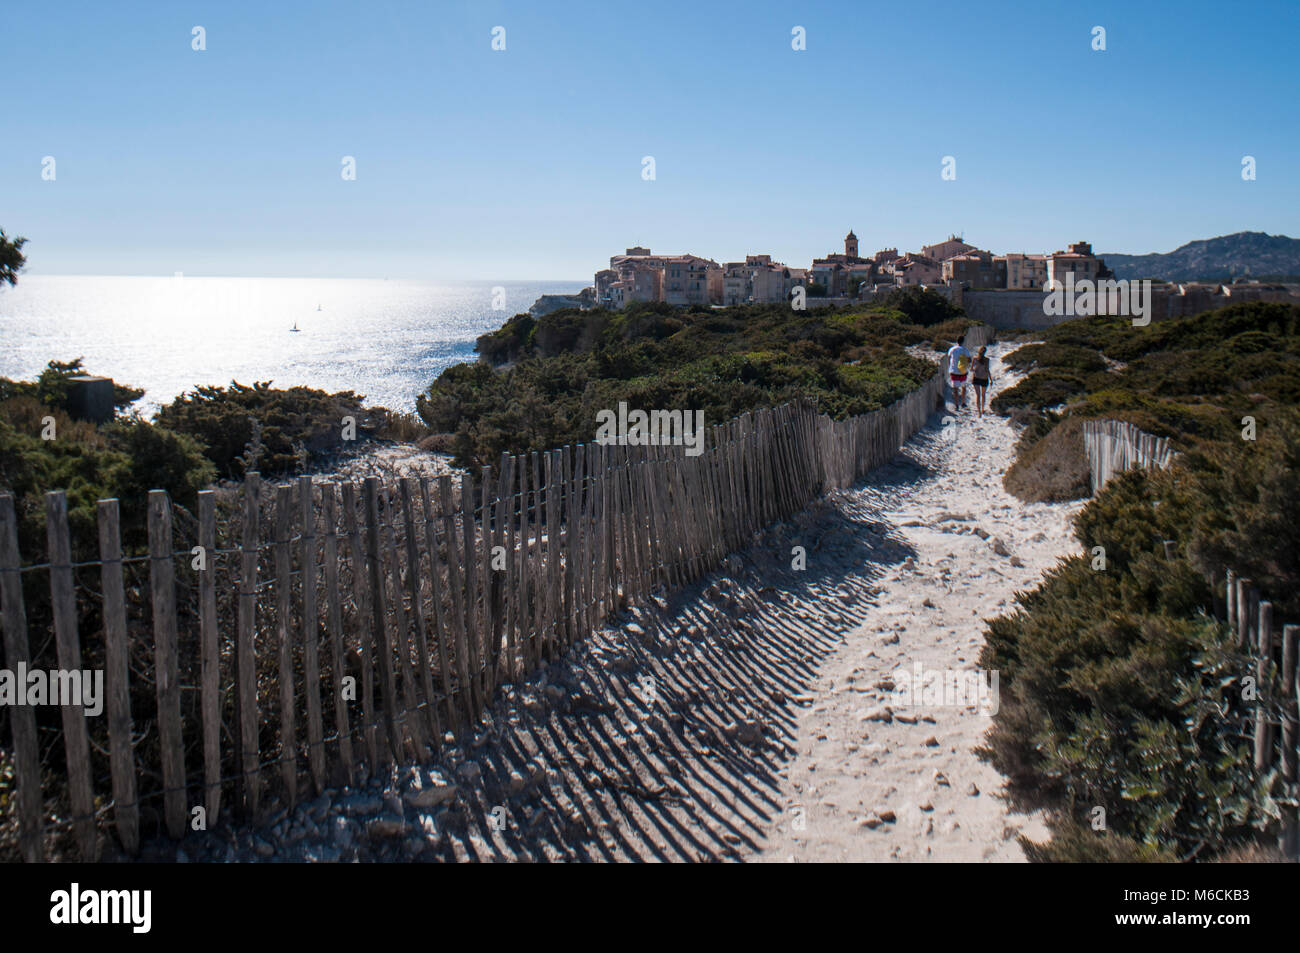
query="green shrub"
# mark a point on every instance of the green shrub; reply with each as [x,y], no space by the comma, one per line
[1039,390]
[1118,690]
[293,425]
[122,460]
[1115,694]
[1060,356]
[922,306]
[541,383]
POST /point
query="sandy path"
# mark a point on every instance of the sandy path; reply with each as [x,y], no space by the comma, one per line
[717,721]
[856,764]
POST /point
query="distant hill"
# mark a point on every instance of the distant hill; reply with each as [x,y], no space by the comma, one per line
[1228,256]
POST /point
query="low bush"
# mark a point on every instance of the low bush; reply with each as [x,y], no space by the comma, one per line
[541,381]
[274,431]
[122,460]
[1054,468]
[1039,390]
[1060,356]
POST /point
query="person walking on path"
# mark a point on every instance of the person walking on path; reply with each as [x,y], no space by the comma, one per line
[979,378]
[958,366]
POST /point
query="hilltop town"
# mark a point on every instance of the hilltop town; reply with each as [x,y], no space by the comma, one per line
[1003,289]
[638,275]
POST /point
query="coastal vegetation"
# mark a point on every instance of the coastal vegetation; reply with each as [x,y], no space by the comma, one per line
[43,448]
[1120,690]
[541,381]
[205,435]
[257,427]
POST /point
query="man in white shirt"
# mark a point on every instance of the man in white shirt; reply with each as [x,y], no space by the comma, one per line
[958,368]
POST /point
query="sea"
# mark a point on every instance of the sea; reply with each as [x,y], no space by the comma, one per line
[384,339]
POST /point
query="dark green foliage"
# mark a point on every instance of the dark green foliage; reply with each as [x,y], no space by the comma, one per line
[1073,842]
[509,341]
[12,259]
[543,380]
[124,459]
[156,458]
[1249,520]
[295,424]
[1061,356]
[1190,379]
[1117,690]
[1115,693]
[922,306]
[1039,390]
[52,386]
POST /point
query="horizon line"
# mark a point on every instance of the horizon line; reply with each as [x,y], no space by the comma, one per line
[51,274]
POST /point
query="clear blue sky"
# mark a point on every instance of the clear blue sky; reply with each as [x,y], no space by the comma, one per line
[527,163]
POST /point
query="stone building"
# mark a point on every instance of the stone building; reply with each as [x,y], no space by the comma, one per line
[1025,272]
[1077,260]
[978,270]
[912,270]
[639,275]
[947,249]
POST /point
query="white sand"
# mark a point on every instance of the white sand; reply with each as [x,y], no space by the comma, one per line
[929,609]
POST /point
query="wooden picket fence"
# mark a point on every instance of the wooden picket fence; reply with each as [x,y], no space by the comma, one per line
[427,596]
[1274,647]
[1113,446]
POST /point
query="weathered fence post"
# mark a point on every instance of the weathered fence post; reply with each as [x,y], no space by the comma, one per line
[417,609]
[126,808]
[1244,621]
[487,617]
[1290,738]
[76,739]
[443,633]
[284,633]
[311,636]
[22,719]
[334,619]
[248,750]
[162,585]
[1263,728]
[456,586]
[414,717]
[1230,600]
[473,632]
[210,654]
[503,587]
[365,633]
[379,616]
